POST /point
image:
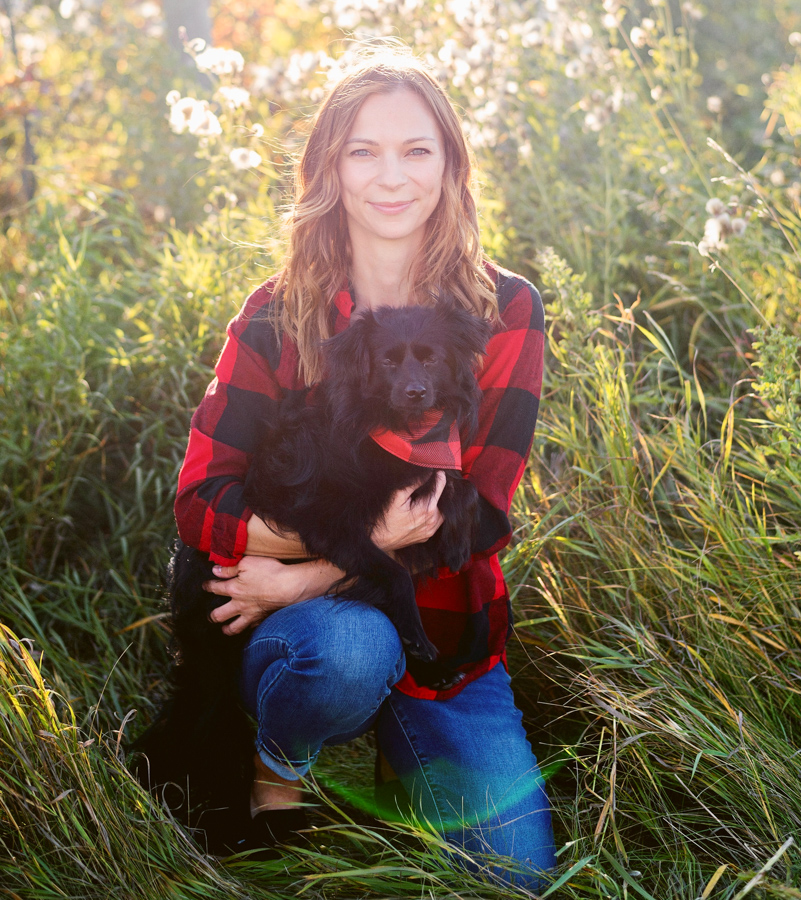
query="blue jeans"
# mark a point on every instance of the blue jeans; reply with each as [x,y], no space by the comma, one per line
[322,672]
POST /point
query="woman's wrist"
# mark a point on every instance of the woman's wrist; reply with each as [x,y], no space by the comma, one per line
[320,576]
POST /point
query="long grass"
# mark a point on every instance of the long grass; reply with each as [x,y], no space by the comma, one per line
[655,566]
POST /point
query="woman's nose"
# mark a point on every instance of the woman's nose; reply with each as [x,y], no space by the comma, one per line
[391,174]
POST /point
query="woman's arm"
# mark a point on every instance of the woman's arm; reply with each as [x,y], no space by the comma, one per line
[511,381]
[258,584]
[264,540]
[253,372]
[404,523]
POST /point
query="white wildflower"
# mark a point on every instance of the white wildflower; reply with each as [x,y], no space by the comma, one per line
[609,21]
[66,8]
[713,233]
[638,36]
[795,39]
[738,227]
[715,207]
[243,158]
[220,61]
[596,118]
[149,10]
[656,92]
[172,98]
[611,6]
[724,220]
[648,24]
[703,248]
[234,97]
[692,11]
[182,112]
[257,130]
[714,104]
[777,178]
[31,47]
[574,69]
[204,123]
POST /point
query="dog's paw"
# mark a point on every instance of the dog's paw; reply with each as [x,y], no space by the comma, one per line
[434,674]
[419,648]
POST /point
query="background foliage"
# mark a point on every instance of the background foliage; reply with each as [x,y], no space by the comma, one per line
[640,162]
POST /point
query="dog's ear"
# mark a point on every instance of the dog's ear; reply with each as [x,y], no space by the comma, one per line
[467,337]
[347,355]
[467,333]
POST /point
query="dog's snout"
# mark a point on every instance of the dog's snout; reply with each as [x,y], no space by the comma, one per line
[415,391]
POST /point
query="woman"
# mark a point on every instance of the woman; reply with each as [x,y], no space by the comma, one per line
[383,215]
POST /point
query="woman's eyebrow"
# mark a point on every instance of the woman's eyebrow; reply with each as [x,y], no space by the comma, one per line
[416,140]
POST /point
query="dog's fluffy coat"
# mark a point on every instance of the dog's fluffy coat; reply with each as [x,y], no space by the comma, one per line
[318,473]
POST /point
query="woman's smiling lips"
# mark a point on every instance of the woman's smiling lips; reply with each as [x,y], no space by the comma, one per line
[391,208]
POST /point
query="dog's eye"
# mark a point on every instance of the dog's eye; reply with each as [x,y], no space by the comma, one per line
[430,361]
[388,363]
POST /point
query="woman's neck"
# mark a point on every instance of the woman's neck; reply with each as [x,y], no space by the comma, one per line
[380,274]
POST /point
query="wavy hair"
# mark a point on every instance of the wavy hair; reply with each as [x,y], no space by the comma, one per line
[451,259]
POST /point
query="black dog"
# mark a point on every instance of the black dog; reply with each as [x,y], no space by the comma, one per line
[401,379]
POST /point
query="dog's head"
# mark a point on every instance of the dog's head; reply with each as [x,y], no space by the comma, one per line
[391,365]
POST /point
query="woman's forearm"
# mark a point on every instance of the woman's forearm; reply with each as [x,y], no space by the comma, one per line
[263,541]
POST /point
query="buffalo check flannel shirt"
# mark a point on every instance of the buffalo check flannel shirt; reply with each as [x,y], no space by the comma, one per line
[466,615]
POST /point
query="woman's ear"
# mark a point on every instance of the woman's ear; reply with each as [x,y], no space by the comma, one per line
[347,355]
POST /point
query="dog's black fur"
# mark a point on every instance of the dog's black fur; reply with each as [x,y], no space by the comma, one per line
[318,473]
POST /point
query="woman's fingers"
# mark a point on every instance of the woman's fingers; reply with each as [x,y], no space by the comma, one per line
[439,486]
[236,626]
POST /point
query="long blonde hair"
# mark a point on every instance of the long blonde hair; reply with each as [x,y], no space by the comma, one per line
[317,261]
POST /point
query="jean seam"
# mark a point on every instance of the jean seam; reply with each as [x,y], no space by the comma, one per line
[423,765]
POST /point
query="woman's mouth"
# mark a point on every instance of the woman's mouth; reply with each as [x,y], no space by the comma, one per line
[391,208]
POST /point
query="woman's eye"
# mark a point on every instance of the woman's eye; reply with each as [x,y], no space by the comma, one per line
[360,152]
[420,151]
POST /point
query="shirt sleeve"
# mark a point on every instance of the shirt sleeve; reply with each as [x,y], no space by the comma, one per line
[511,384]
[210,510]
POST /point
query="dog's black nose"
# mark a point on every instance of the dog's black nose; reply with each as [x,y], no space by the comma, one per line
[415,391]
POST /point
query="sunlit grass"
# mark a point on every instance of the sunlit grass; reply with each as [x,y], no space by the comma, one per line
[655,566]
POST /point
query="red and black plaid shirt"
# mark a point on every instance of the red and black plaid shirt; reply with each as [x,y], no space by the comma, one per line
[467,615]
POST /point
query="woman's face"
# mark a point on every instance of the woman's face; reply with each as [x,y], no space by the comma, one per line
[390,169]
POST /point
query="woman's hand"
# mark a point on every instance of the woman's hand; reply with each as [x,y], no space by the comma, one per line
[259,585]
[408,522]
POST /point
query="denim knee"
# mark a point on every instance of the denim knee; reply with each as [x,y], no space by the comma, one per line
[350,654]
[317,671]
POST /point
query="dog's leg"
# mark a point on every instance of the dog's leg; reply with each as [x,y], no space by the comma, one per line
[386,584]
[458,504]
